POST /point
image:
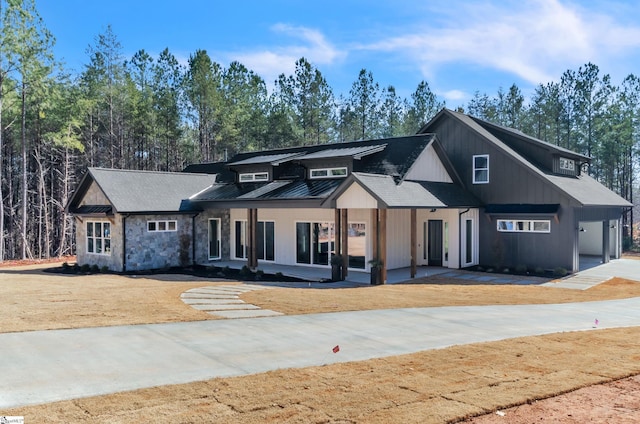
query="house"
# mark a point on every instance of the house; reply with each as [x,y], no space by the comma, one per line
[461,192]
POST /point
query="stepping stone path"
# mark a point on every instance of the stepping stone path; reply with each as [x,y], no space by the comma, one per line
[225,301]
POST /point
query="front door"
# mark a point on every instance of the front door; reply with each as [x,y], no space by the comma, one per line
[434,243]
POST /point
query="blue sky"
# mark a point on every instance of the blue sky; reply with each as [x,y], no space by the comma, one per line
[458,47]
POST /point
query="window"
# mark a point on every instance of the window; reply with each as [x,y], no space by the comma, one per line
[567,164]
[99,238]
[329,172]
[162,226]
[480,169]
[265,240]
[524,226]
[255,176]
[214,239]
[314,242]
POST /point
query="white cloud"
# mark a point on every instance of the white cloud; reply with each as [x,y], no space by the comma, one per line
[270,63]
[536,40]
[454,95]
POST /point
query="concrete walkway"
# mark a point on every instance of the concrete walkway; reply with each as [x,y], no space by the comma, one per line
[582,280]
[46,366]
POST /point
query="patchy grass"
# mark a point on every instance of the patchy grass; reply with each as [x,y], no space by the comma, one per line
[436,386]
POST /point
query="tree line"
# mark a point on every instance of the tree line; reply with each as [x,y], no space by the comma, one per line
[152,113]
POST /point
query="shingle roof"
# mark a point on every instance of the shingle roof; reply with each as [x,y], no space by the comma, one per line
[410,194]
[588,191]
[143,191]
[583,189]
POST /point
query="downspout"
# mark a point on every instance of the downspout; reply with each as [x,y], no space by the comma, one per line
[460,237]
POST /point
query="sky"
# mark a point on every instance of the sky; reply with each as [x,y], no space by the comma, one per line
[458,47]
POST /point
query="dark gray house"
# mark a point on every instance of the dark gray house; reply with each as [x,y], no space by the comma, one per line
[539,207]
[462,192]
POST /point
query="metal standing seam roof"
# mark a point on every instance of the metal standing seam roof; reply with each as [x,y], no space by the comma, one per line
[356,152]
[276,190]
[274,159]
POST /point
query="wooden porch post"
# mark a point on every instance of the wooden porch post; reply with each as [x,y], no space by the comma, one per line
[374,231]
[382,245]
[337,233]
[414,229]
[344,223]
[252,228]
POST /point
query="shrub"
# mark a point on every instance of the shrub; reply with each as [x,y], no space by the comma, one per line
[245,272]
[521,269]
[65,266]
[95,269]
[560,272]
[539,270]
[259,274]
[279,274]
[104,269]
[85,268]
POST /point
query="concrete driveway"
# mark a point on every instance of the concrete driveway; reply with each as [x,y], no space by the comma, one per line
[46,366]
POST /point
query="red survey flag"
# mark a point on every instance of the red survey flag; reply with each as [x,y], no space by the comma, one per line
[336,349]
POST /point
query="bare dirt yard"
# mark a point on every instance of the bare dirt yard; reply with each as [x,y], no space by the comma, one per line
[555,378]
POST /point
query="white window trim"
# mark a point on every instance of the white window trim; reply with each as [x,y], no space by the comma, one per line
[330,172]
[530,226]
[253,176]
[219,240]
[246,234]
[167,223]
[331,241]
[473,165]
[567,164]
[104,252]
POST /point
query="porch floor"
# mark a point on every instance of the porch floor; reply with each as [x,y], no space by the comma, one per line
[357,278]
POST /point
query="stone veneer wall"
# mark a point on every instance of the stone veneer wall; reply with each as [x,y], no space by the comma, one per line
[157,250]
[113,261]
[202,235]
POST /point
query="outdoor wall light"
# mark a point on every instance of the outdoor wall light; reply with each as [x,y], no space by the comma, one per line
[582,230]
[433,210]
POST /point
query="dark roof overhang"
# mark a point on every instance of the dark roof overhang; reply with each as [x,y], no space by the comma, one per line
[93,210]
[551,209]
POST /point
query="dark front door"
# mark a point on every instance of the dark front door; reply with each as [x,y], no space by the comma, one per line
[435,242]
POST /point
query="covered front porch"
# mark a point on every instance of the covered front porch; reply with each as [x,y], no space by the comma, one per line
[394,276]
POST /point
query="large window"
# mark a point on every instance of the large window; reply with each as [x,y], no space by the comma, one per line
[99,237]
[480,169]
[214,239]
[314,242]
[328,172]
[524,226]
[265,240]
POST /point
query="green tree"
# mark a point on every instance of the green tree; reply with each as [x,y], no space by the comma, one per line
[167,76]
[202,89]
[364,101]
[392,113]
[31,54]
[423,106]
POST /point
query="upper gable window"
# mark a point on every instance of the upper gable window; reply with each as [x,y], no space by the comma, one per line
[480,169]
[328,172]
[254,176]
[567,164]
